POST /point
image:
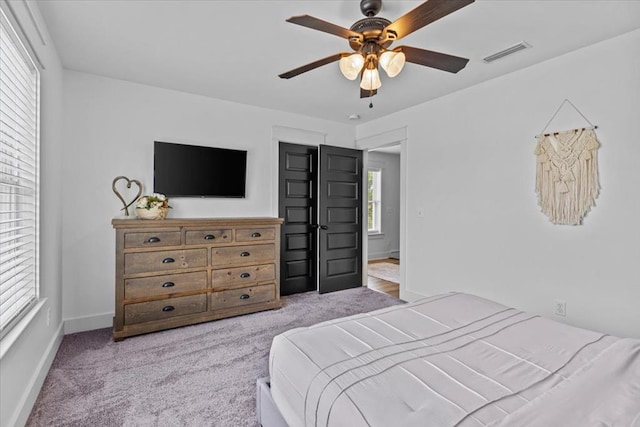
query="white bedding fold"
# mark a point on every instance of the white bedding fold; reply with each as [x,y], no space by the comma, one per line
[449,360]
[605,392]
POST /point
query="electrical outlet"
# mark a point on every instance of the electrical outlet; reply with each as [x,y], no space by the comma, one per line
[561,308]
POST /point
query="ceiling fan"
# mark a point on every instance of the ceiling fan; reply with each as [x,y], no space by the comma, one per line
[371,37]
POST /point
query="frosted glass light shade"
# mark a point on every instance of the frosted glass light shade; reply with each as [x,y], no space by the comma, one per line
[392,62]
[370,79]
[351,65]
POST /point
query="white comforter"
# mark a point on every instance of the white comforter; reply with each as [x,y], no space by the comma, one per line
[454,360]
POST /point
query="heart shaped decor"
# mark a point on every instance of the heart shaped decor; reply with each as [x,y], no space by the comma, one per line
[129,182]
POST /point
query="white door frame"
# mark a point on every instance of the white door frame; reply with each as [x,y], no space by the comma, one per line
[393,137]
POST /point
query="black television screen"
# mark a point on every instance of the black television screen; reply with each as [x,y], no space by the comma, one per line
[195,171]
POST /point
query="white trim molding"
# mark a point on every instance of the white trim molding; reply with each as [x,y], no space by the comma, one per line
[12,336]
[28,399]
[393,137]
[13,18]
[297,136]
[88,323]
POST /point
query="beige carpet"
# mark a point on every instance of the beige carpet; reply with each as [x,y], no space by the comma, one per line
[201,375]
[385,271]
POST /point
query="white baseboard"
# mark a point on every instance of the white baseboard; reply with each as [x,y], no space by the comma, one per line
[68,326]
[371,256]
[35,384]
[409,296]
[88,323]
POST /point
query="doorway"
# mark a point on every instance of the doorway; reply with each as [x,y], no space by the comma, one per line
[320,199]
[382,276]
[383,218]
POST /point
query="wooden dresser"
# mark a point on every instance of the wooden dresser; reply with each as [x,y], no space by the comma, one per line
[177,272]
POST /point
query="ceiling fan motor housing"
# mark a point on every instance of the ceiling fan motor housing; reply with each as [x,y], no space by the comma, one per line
[371,29]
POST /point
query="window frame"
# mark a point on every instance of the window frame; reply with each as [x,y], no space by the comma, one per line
[22,311]
[375,202]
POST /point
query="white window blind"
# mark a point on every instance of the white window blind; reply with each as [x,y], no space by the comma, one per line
[374,203]
[19,105]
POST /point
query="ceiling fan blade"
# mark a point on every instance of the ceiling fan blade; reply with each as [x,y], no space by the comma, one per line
[367,93]
[432,59]
[311,66]
[426,13]
[327,27]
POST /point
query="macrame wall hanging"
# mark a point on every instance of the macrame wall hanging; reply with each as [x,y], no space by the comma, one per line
[567,172]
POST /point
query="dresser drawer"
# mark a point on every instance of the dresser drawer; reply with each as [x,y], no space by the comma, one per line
[255,234]
[162,309]
[163,285]
[196,237]
[249,254]
[149,239]
[182,271]
[249,274]
[142,262]
[243,296]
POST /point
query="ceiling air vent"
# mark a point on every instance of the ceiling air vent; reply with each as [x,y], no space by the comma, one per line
[508,51]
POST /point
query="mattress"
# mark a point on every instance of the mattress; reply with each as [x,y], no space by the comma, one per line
[454,360]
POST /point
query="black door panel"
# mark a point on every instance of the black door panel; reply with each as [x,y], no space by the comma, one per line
[340,213]
[298,206]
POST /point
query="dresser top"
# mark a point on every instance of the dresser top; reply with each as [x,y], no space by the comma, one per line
[193,222]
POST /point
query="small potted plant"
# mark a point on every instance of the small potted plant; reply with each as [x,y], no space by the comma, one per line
[153,206]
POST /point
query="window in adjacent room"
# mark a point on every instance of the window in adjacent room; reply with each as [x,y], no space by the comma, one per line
[19,180]
[374,193]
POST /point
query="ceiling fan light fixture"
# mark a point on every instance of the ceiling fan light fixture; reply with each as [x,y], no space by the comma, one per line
[371,38]
[392,62]
[370,79]
[351,65]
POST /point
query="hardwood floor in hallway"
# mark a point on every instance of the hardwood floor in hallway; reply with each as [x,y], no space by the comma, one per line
[381,285]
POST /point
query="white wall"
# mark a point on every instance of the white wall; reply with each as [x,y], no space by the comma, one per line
[387,244]
[470,166]
[26,362]
[109,129]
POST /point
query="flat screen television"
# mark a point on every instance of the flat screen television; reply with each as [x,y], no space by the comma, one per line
[181,170]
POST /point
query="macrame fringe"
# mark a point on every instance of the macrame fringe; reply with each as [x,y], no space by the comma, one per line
[567,175]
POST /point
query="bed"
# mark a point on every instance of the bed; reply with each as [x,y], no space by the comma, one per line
[450,360]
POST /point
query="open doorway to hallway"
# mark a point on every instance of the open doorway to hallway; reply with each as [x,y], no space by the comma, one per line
[383,218]
[383,275]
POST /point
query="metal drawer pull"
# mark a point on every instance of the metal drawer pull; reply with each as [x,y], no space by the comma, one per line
[245,254]
[168,285]
[256,235]
[153,240]
[209,237]
[244,296]
[168,260]
[168,308]
[245,275]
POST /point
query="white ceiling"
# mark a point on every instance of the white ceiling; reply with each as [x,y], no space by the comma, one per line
[234,50]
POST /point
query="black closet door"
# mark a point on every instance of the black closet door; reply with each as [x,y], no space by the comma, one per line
[340,222]
[298,206]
